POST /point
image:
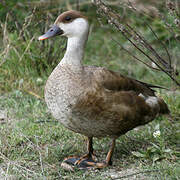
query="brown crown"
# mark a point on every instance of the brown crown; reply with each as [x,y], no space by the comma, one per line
[69,16]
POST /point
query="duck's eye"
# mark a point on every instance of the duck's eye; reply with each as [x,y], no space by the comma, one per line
[68,18]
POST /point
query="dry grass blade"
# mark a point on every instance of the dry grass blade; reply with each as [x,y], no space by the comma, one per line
[141,172]
[6,41]
[27,48]
[27,22]
[4,54]
[34,94]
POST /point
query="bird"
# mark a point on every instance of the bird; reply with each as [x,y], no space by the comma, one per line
[91,100]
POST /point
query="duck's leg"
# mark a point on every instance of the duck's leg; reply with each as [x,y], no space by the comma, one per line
[83,161]
[108,161]
[89,156]
[87,161]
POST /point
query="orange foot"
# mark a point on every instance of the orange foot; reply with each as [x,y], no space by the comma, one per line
[85,162]
[88,161]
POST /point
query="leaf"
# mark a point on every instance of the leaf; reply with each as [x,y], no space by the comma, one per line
[156,158]
[167,150]
[155,146]
[138,154]
[157,127]
[151,150]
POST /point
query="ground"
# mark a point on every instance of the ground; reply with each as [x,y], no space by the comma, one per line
[33,145]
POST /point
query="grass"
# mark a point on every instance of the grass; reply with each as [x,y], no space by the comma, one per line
[33,144]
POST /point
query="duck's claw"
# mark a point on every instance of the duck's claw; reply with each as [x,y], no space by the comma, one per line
[87,157]
[83,162]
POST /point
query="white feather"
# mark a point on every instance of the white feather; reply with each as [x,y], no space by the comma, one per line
[77,33]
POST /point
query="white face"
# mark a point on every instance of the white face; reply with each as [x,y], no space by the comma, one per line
[78,27]
[70,24]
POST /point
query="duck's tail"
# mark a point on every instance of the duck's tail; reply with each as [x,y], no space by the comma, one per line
[157,106]
[163,107]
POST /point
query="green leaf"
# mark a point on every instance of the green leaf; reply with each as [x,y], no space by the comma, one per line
[138,154]
[167,150]
[156,158]
[155,146]
[157,127]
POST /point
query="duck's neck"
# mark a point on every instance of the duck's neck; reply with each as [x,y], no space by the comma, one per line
[74,52]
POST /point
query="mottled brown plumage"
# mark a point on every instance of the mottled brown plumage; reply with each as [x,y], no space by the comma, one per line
[91,100]
[113,100]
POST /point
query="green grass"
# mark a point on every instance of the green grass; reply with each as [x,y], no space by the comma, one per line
[33,144]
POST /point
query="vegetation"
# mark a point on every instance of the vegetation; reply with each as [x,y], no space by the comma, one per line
[32,143]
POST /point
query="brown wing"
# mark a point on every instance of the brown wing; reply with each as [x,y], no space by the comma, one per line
[111,105]
[117,82]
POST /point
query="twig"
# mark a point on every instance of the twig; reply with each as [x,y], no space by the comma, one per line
[41,162]
[140,172]
[135,56]
[154,52]
[143,52]
[167,52]
[113,19]
[171,31]
[47,121]
[27,22]
[148,46]
[140,12]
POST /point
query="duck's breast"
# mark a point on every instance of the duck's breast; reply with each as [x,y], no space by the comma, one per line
[61,91]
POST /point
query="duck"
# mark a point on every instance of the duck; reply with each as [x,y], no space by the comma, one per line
[94,101]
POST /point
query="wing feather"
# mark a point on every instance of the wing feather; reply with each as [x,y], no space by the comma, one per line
[116,82]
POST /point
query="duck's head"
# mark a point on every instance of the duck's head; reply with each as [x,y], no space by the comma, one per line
[69,24]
